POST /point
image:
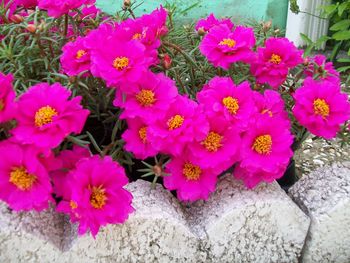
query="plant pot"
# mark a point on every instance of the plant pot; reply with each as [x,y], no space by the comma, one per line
[289,177]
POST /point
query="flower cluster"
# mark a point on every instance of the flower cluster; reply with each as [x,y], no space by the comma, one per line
[246,126]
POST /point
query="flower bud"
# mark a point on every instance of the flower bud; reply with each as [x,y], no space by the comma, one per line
[167,61]
[31,28]
[126,4]
[17,19]
[266,26]
[157,169]
[201,31]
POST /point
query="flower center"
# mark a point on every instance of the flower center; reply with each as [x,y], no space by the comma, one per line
[263,144]
[98,197]
[231,104]
[21,178]
[121,63]
[267,111]
[2,104]
[143,134]
[175,122]
[80,54]
[213,142]
[145,97]
[227,42]
[44,116]
[191,172]
[275,59]
[321,108]
[73,204]
[137,36]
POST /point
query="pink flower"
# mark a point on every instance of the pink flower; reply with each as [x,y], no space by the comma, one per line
[221,98]
[271,104]
[191,181]
[24,182]
[183,123]
[45,115]
[57,8]
[9,7]
[265,150]
[7,97]
[115,60]
[211,21]
[27,3]
[67,160]
[97,194]
[220,148]
[321,107]
[149,98]
[75,57]
[318,65]
[137,140]
[274,60]
[223,46]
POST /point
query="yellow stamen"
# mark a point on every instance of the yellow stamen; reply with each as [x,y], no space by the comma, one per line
[175,122]
[275,59]
[321,107]
[267,111]
[191,172]
[2,104]
[80,54]
[98,197]
[263,144]
[21,178]
[121,63]
[137,36]
[228,42]
[146,97]
[213,142]
[73,204]
[143,134]
[231,104]
[44,116]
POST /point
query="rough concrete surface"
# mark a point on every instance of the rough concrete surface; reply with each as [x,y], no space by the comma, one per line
[325,196]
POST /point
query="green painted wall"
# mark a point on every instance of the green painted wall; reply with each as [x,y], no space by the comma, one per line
[237,9]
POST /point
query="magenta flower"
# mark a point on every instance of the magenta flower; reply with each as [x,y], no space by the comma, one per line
[183,123]
[222,46]
[274,61]
[271,104]
[9,7]
[57,8]
[45,115]
[211,21]
[27,3]
[219,150]
[318,65]
[221,98]
[7,97]
[321,107]
[67,160]
[115,60]
[75,58]
[252,177]
[191,181]
[24,181]
[149,98]
[97,194]
[265,150]
[137,140]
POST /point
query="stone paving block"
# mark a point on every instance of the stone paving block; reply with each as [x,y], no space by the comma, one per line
[30,236]
[156,232]
[325,196]
[241,225]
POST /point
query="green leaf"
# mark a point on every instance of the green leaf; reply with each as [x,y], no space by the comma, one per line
[344,60]
[342,69]
[342,8]
[341,35]
[322,39]
[306,39]
[341,25]
[329,9]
